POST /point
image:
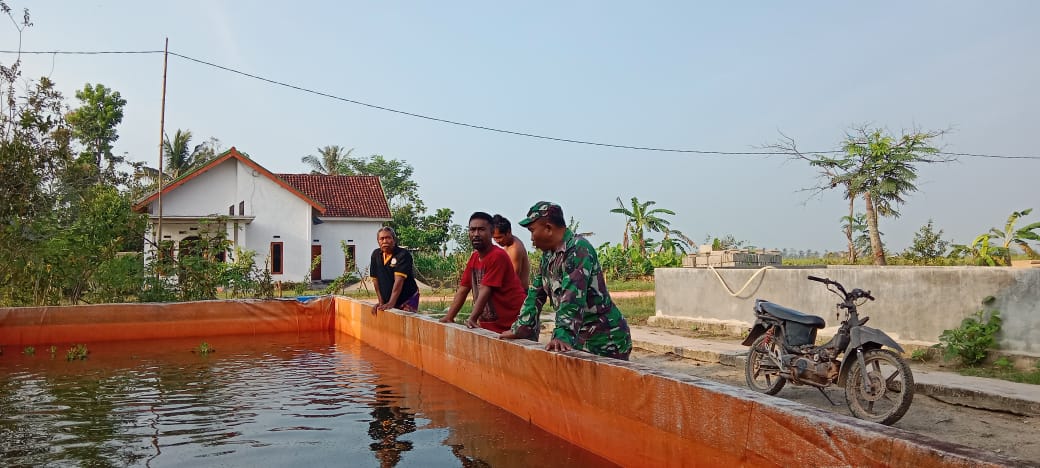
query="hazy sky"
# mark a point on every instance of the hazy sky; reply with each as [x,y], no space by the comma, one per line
[726,76]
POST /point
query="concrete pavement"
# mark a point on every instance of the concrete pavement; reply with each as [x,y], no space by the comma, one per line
[975,392]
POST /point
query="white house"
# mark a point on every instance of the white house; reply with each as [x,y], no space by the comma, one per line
[287,219]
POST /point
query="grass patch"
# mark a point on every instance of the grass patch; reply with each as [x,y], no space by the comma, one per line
[637,309]
[1030,377]
[630,285]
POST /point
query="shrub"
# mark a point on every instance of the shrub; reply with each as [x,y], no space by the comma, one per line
[973,339]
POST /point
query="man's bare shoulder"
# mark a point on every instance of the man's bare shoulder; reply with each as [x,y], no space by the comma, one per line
[516,247]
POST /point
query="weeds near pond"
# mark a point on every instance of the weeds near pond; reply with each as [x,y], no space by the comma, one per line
[54,350]
[77,352]
[204,349]
[29,351]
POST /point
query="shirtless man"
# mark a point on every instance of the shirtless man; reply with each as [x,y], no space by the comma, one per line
[503,236]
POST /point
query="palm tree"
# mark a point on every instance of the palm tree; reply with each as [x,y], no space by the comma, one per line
[640,219]
[875,166]
[331,160]
[180,157]
[1010,235]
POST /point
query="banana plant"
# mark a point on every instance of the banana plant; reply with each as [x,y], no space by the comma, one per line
[1010,235]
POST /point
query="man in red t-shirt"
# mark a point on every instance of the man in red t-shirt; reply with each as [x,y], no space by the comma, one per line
[498,294]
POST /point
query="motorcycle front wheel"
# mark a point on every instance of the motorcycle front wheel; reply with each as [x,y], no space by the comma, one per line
[760,370]
[890,390]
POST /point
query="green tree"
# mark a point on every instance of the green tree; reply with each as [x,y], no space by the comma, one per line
[394,174]
[927,246]
[331,160]
[856,229]
[94,125]
[980,249]
[640,219]
[1019,236]
[876,166]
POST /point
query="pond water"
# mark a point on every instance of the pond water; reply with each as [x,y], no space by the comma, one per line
[313,399]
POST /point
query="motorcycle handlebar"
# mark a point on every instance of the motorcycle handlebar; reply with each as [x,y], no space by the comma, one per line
[817,278]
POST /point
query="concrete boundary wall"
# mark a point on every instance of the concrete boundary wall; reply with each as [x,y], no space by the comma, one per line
[914,304]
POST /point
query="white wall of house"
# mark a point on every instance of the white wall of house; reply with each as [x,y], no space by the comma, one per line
[361,233]
[277,215]
[209,193]
[278,212]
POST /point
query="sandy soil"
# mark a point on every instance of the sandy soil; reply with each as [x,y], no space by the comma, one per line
[1006,434]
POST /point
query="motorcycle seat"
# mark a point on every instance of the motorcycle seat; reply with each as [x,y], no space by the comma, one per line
[791,315]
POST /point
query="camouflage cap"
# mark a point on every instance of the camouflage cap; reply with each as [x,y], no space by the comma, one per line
[542,209]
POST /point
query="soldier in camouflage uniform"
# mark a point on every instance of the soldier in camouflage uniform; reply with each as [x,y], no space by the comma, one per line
[571,277]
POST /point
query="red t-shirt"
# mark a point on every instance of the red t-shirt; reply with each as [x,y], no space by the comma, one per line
[495,270]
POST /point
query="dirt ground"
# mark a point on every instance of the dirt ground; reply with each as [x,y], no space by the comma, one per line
[1006,434]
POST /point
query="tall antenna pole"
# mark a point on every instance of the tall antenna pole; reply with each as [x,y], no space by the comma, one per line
[162,134]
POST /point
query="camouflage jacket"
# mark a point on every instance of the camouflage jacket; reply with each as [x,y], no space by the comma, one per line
[571,278]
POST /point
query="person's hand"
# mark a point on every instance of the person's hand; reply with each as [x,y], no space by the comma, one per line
[507,335]
[447,319]
[383,306]
[557,345]
[376,308]
[471,323]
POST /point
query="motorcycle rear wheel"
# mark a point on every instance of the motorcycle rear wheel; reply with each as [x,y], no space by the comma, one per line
[760,371]
[892,389]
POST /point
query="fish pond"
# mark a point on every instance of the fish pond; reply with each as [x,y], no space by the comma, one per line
[311,399]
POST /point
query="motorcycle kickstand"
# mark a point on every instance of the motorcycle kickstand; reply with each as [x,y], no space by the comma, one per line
[827,396]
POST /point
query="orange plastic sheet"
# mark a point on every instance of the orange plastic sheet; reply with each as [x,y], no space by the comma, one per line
[24,326]
[638,416]
[625,412]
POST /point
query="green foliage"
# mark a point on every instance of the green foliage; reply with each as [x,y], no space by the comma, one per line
[439,271]
[117,279]
[619,263]
[77,353]
[875,166]
[94,125]
[203,349]
[331,160]
[921,355]
[640,219]
[29,351]
[1018,237]
[928,246]
[53,350]
[973,339]
[1003,363]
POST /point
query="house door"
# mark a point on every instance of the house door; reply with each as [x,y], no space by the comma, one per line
[316,272]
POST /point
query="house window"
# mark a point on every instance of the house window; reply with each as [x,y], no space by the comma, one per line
[242,208]
[350,264]
[276,258]
[231,210]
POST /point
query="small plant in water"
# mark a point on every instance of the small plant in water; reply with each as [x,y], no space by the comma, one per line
[77,352]
[54,350]
[29,351]
[204,349]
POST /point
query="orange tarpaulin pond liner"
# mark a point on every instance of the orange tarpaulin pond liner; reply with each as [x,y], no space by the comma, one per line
[626,412]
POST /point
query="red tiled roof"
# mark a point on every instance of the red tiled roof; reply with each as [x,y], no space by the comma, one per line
[349,196]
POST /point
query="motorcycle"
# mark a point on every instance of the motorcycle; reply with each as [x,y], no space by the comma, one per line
[879,385]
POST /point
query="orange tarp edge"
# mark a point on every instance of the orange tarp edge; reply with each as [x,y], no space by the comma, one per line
[40,326]
[638,416]
[628,413]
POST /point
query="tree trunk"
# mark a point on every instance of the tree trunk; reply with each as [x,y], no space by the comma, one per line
[848,229]
[875,235]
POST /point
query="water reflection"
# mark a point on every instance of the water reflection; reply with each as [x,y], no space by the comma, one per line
[313,399]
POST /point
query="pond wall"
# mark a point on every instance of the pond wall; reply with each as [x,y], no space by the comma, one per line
[914,304]
[628,413]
